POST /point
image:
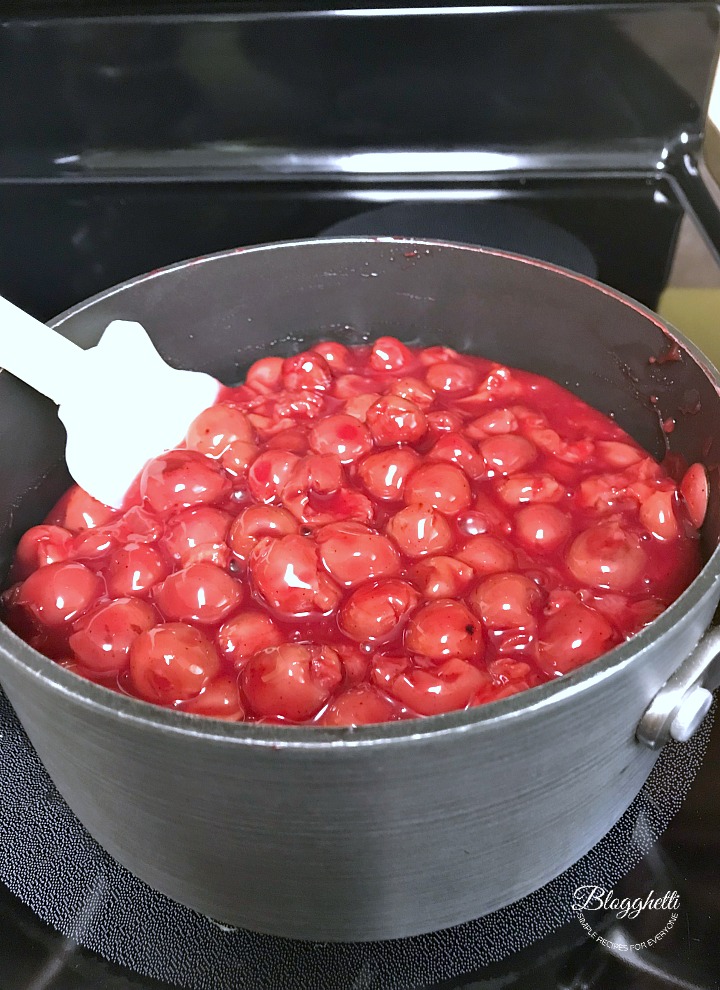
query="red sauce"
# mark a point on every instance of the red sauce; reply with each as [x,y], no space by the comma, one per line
[363,535]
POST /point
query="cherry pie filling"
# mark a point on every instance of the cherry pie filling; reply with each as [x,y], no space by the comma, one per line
[358,535]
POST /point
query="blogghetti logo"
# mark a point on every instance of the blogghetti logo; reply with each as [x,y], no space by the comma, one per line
[590,900]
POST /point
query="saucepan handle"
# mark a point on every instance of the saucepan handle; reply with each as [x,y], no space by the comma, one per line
[683,701]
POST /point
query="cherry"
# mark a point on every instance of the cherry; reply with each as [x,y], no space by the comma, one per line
[374,611]
[389,354]
[295,440]
[444,688]
[618,455]
[192,529]
[606,556]
[257,521]
[486,554]
[237,458]
[385,474]
[246,633]
[306,370]
[343,436]
[77,510]
[218,699]
[451,377]
[498,421]
[419,531]
[264,375]
[438,486]
[657,514]
[359,705]
[445,629]
[394,420]
[102,638]
[336,355]
[134,569]
[200,592]
[506,601]
[286,574]
[216,428]
[171,663]
[357,406]
[442,421]
[41,545]
[293,680]
[181,478]
[455,449]
[430,356]
[352,553]
[522,488]
[269,473]
[507,454]
[441,577]
[573,635]
[542,528]
[414,390]
[60,592]
[694,489]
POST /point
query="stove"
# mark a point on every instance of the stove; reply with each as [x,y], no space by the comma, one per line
[139,134]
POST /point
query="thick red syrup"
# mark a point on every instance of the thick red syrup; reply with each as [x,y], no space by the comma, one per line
[362,535]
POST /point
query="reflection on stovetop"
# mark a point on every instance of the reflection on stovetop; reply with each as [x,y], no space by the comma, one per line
[686,860]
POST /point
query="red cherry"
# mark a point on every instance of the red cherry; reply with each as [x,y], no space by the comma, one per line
[441,577]
[200,592]
[357,406]
[292,680]
[352,553]
[657,514]
[394,420]
[134,569]
[572,636]
[451,377]
[216,428]
[618,455]
[343,436]
[58,593]
[430,356]
[389,354]
[218,699]
[269,473]
[694,489]
[286,574]
[195,528]
[542,528]
[414,390]
[446,687]
[181,478]
[445,629]
[486,554]
[264,375]
[385,474]
[77,510]
[506,601]
[507,454]
[336,355]
[295,440]
[39,546]
[102,639]
[442,421]
[93,544]
[306,370]
[455,449]
[606,556]
[137,525]
[522,488]
[237,458]
[419,531]
[256,522]
[172,663]
[375,611]
[438,486]
[497,421]
[246,633]
[360,705]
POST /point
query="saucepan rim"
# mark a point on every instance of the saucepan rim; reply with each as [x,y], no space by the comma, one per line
[309,737]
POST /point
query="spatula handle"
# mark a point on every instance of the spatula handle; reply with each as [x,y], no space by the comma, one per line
[36,354]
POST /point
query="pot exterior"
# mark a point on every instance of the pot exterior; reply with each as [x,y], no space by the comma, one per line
[365,834]
[358,842]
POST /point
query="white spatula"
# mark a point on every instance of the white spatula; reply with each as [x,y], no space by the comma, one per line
[120,403]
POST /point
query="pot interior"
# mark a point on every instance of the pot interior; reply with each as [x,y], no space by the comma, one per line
[219,314]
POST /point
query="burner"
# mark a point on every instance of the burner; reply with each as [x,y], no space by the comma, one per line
[51,864]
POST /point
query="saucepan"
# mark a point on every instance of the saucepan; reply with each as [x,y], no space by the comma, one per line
[379,831]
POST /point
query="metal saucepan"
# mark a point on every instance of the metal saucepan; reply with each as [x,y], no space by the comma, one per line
[389,830]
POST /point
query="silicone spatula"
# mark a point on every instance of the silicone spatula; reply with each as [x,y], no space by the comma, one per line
[120,403]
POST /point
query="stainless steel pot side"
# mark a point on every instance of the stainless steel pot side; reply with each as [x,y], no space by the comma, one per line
[382,831]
